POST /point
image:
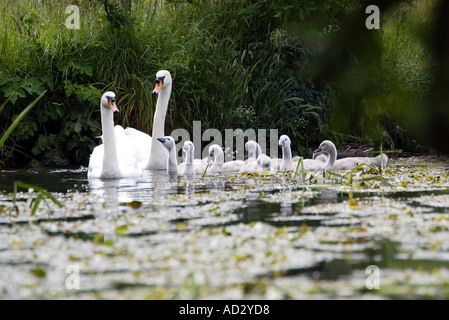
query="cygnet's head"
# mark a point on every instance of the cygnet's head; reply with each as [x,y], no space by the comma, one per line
[163,80]
[284,141]
[167,142]
[188,145]
[108,101]
[214,150]
[326,146]
[250,148]
[264,161]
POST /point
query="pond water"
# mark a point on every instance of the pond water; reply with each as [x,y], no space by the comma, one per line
[365,234]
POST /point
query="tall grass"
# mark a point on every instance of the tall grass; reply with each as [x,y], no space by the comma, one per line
[228,61]
[235,64]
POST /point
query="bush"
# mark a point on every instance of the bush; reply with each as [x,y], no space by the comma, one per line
[235,63]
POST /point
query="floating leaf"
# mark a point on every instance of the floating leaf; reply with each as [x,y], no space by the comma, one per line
[122,230]
[40,273]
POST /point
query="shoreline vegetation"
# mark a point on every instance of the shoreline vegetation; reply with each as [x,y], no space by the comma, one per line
[236,64]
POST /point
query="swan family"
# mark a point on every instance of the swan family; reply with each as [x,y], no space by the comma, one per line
[126,153]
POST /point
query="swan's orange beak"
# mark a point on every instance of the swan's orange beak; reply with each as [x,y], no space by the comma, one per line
[113,105]
[158,86]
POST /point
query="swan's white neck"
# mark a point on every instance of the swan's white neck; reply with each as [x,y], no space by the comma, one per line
[189,162]
[110,168]
[218,160]
[286,158]
[172,162]
[158,153]
[257,152]
[331,160]
[189,157]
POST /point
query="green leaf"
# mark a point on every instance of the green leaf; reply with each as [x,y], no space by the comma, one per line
[40,273]
[19,118]
[122,230]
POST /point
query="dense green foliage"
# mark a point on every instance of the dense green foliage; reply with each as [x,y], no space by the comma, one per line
[235,64]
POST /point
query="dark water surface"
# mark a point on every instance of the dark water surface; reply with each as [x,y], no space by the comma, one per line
[229,237]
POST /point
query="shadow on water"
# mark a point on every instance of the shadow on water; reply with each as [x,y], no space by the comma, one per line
[54,180]
[383,255]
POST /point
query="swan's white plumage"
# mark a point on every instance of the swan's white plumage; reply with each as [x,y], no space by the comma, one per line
[190,165]
[158,154]
[351,162]
[288,164]
[115,158]
[151,155]
[252,150]
[141,143]
[219,166]
[276,164]
[287,161]
[264,162]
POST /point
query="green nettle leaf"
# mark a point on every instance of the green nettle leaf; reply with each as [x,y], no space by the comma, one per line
[85,69]
[13,93]
[33,85]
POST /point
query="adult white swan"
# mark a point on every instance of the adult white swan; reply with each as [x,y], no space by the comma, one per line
[151,155]
[115,158]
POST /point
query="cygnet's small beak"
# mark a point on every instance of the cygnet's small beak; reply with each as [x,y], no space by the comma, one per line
[210,159]
[281,143]
[245,157]
[162,140]
[317,150]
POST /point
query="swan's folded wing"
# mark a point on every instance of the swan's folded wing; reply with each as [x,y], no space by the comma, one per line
[127,159]
[141,143]
[311,165]
[96,162]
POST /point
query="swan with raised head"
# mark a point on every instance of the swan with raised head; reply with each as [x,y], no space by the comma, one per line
[287,161]
[115,158]
[171,163]
[151,155]
[216,155]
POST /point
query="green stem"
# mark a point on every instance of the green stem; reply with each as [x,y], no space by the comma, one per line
[19,118]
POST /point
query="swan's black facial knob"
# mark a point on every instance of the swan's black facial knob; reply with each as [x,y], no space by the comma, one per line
[159,83]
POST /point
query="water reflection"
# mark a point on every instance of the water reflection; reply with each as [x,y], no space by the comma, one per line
[113,190]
